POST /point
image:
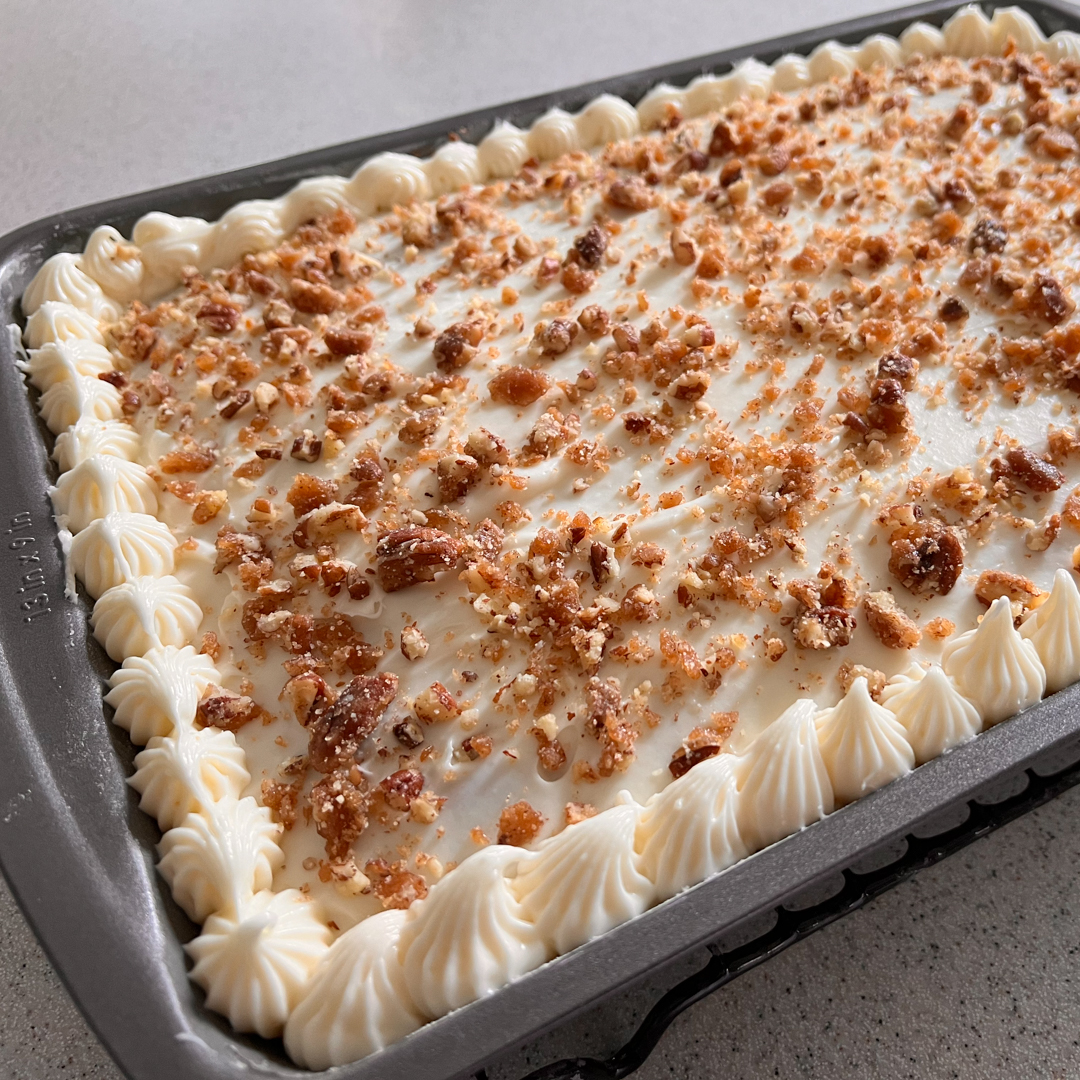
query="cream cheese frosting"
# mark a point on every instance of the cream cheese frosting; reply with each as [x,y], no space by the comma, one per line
[935,715]
[690,831]
[255,965]
[501,911]
[996,669]
[586,880]
[357,1001]
[469,936]
[862,744]
[783,782]
[1054,629]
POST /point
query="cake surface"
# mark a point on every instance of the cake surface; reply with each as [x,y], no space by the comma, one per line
[489,566]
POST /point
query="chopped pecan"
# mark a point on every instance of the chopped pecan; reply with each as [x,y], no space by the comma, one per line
[602,562]
[395,886]
[369,475]
[903,369]
[823,628]
[306,447]
[487,449]
[607,720]
[683,760]
[339,808]
[594,320]
[892,626]
[191,459]
[226,710]
[1048,300]
[281,800]
[420,427]
[1020,466]
[993,584]
[344,341]
[313,299]
[414,554]
[520,824]
[590,247]
[456,473]
[308,694]
[414,646]
[888,410]
[518,386]
[555,337]
[927,557]
[337,733]
[309,492]
[221,318]
[400,788]
[988,237]
[435,704]
[457,345]
[630,193]
[408,733]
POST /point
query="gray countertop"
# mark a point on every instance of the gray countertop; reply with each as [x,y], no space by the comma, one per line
[971,969]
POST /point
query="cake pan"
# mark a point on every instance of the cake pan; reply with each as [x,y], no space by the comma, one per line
[79,855]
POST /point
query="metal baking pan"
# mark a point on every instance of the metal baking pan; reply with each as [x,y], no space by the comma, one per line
[79,855]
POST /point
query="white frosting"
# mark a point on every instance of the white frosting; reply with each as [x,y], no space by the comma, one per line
[1064,45]
[790,72]
[1017,24]
[388,180]
[356,1001]
[935,716]
[503,151]
[60,361]
[969,33]
[100,484]
[169,244]
[183,772]
[453,166]
[585,880]
[57,321]
[922,39]
[120,547]
[218,858]
[655,107]
[62,278]
[114,263]
[1054,630]
[143,614]
[81,395]
[469,935]
[863,745]
[312,198]
[994,667]
[783,783]
[554,134]
[157,692]
[880,49]
[256,964]
[607,119]
[88,437]
[707,93]
[752,78]
[247,227]
[831,60]
[690,830]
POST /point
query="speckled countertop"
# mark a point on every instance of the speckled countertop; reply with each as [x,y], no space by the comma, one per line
[970,970]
